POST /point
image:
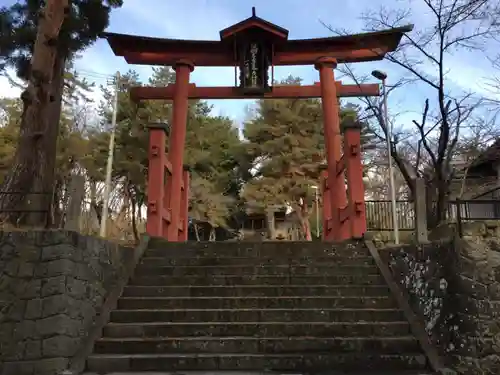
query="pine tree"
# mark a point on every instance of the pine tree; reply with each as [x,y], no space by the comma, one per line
[285,143]
[211,143]
[54,33]
[10,115]
[211,146]
[71,145]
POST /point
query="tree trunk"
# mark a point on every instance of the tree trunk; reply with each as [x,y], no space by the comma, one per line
[437,203]
[53,121]
[133,211]
[212,237]
[30,172]
[306,229]
[94,207]
[302,211]
[271,225]
[121,220]
[134,222]
[61,200]
[196,231]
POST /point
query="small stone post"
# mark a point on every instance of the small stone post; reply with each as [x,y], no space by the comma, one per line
[420,204]
[74,211]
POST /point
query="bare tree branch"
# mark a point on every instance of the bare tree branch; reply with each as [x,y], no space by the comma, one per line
[447,115]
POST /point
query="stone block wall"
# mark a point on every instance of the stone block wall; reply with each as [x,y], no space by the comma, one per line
[383,238]
[454,287]
[53,286]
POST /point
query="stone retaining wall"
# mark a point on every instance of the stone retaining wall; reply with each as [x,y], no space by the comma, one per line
[53,285]
[455,288]
[383,238]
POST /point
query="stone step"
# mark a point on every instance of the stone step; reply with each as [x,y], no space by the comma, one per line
[256,291]
[246,344]
[152,261]
[107,363]
[266,270]
[293,279]
[256,372]
[256,315]
[158,247]
[288,302]
[257,329]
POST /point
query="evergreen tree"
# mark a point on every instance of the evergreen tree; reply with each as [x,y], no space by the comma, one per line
[130,158]
[285,143]
[210,144]
[10,115]
[85,20]
[21,25]
[71,147]
[210,152]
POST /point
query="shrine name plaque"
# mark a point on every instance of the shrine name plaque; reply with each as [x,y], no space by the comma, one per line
[254,66]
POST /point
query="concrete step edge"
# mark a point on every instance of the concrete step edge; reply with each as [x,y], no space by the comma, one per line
[253,338]
[116,324]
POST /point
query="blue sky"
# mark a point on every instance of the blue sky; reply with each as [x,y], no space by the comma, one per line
[203,19]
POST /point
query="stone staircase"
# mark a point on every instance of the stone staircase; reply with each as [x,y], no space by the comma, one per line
[300,307]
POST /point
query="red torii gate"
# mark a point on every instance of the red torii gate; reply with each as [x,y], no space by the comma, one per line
[256,46]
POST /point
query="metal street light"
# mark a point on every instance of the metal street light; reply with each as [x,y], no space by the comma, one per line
[379,75]
[382,76]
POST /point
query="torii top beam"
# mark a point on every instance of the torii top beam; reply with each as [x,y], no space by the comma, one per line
[346,48]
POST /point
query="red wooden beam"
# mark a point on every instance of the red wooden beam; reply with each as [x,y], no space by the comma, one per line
[346,48]
[344,214]
[227,59]
[168,168]
[171,58]
[278,92]
[342,56]
[329,224]
[166,215]
[341,165]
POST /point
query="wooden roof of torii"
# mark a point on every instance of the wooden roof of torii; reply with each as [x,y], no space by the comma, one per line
[346,48]
[273,32]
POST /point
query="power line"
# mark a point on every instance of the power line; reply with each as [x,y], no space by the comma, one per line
[92,78]
[96,77]
[94,73]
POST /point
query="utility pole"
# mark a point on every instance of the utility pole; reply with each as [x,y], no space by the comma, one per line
[109,166]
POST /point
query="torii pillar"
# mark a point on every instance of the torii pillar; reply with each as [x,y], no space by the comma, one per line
[333,146]
[256,46]
[177,139]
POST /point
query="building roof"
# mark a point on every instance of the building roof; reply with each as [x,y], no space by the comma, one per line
[255,23]
[484,163]
[346,48]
